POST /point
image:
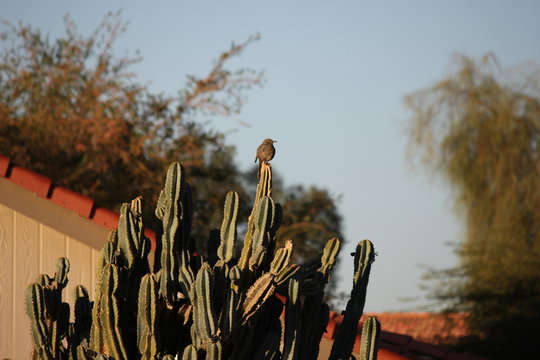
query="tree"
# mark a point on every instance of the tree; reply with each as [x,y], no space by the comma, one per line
[310,217]
[482,134]
[72,110]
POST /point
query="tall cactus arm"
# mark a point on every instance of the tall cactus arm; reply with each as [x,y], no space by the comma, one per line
[281,258]
[203,310]
[228,227]
[293,321]
[35,309]
[329,256]
[170,201]
[62,269]
[370,336]
[264,189]
[345,338]
[131,239]
[110,317]
[147,329]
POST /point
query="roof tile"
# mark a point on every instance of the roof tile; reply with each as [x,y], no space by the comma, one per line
[427,327]
[4,165]
[30,180]
[71,200]
[106,218]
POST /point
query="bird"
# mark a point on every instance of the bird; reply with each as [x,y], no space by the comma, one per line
[265,153]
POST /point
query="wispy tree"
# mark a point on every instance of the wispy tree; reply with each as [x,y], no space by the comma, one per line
[480,129]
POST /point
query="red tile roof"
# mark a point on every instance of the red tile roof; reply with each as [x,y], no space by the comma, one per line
[44,187]
[30,180]
[71,200]
[404,345]
[433,328]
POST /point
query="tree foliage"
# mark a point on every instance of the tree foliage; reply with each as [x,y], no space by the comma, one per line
[480,129]
[73,110]
[310,217]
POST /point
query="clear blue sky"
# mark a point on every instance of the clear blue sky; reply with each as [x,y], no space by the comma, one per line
[336,75]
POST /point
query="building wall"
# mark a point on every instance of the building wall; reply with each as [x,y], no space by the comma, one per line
[29,247]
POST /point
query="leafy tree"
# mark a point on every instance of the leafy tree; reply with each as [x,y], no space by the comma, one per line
[310,217]
[480,129]
[72,110]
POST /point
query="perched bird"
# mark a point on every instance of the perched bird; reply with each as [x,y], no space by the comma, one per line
[265,153]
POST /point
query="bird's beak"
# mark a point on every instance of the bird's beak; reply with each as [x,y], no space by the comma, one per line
[274,141]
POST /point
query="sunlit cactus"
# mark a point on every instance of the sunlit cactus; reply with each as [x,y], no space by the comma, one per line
[49,316]
[148,340]
[344,342]
[220,305]
[370,335]
[225,251]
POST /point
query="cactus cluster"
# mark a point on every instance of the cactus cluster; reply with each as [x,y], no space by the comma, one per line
[218,305]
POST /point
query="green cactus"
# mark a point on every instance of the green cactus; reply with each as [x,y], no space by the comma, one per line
[197,307]
[204,317]
[293,321]
[109,314]
[62,269]
[344,342]
[228,227]
[264,189]
[49,316]
[147,329]
[370,336]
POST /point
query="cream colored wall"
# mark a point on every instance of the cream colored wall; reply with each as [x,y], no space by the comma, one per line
[29,247]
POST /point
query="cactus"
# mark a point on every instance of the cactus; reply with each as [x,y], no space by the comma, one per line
[83,317]
[109,314]
[147,329]
[228,227]
[264,189]
[217,306]
[344,342]
[170,200]
[49,316]
[293,321]
[204,317]
[370,335]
